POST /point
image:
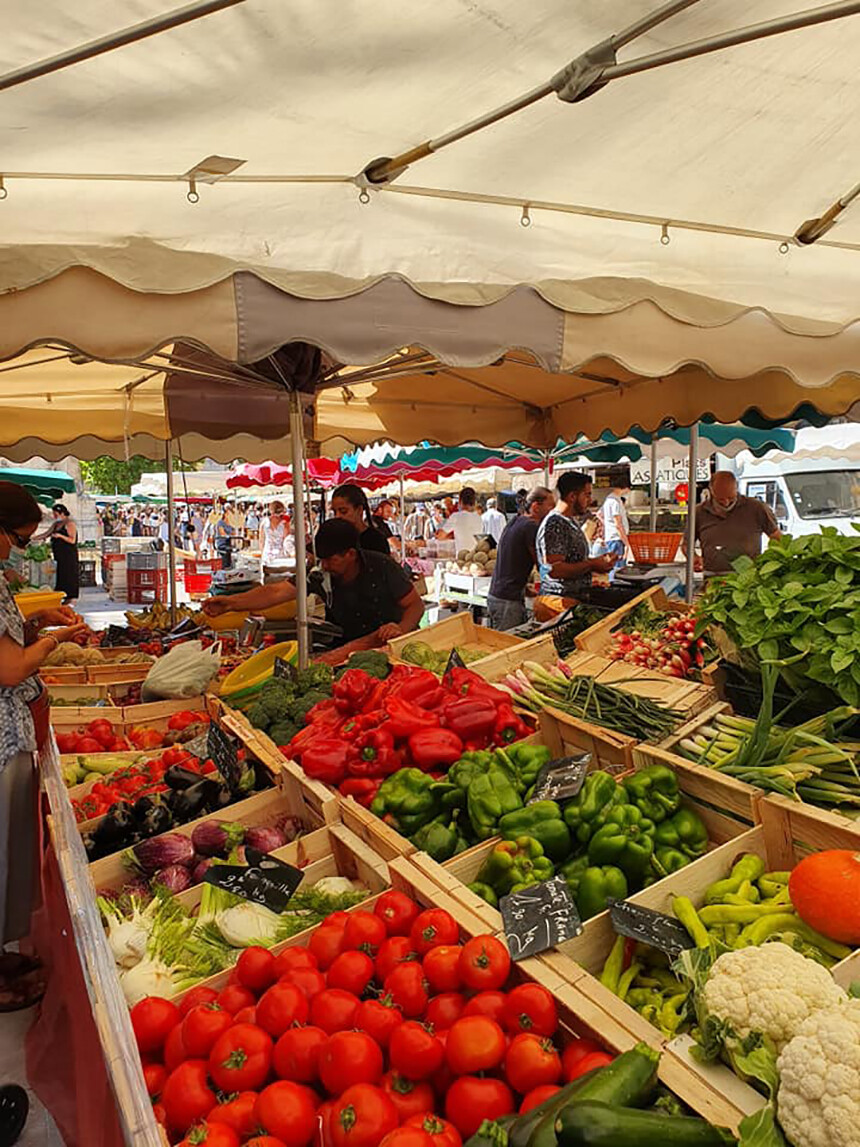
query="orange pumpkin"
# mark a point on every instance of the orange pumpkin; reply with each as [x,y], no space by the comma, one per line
[825,892]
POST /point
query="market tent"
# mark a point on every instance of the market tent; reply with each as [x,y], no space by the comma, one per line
[323,472]
[836,445]
[45,485]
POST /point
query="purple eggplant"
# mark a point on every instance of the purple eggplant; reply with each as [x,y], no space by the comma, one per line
[265,839]
[175,878]
[292,828]
[216,837]
[162,852]
[200,868]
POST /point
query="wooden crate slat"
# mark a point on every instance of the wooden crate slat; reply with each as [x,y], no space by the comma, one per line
[459,629]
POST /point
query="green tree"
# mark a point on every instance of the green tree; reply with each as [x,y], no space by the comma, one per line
[113,476]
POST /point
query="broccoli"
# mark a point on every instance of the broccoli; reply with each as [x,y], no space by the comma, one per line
[277,687]
[258,716]
[374,663]
[275,696]
[283,732]
[314,677]
[299,707]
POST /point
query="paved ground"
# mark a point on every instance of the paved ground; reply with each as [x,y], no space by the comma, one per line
[40,1130]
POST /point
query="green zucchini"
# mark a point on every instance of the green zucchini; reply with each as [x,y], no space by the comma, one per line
[599,1125]
[521,1132]
[492,1133]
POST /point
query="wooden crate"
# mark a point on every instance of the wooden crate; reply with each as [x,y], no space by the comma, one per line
[63,675]
[117,674]
[154,715]
[381,837]
[458,629]
[497,666]
[80,695]
[596,638]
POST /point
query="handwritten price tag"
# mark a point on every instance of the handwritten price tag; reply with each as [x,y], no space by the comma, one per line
[539,917]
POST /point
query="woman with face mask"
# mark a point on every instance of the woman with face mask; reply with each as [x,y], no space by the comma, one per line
[24,712]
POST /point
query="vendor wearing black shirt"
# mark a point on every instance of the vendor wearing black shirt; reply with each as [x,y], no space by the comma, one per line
[368,595]
[515,559]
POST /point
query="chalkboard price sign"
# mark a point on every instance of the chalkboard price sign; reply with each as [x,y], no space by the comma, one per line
[649,927]
[284,669]
[561,779]
[264,881]
[539,917]
[225,754]
[455,661]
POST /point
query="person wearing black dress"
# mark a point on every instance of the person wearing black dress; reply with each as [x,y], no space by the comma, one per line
[350,503]
[64,546]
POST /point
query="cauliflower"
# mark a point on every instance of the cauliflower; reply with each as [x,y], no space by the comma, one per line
[769,990]
[818,1102]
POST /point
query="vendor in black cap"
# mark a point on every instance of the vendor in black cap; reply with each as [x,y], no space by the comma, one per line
[368,595]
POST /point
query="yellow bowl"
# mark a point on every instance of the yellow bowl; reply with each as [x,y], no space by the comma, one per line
[30,603]
[258,668]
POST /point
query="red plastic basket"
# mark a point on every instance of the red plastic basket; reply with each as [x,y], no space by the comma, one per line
[655,548]
[198,574]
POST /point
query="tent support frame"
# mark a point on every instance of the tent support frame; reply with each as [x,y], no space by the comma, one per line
[692,468]
[171,529]
[299,528]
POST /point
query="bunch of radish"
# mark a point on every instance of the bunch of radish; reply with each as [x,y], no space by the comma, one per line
[672,649]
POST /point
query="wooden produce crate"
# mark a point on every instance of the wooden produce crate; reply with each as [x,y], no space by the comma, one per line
[80,695]
[63,674]
[154,715]
[596,638]
[118,674]
[460,630]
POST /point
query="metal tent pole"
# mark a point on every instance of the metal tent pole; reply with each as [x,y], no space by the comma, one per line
[546,468]
[652,517]
[296,445]
[171,539]
[692,467]
[402,521]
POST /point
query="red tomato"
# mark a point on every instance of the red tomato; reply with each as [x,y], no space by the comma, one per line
[174,1049]
[326,943]
[531,1008]
[280,1007]
[408,989]
[362,1117]
[471,1100]
[409,1096]
[186,1096]
[89,745]
[256,968]
[397,911]
[475,1043]
[442,968]
[484,964]
[202,1027]
[234,997]
[297,1054]
[287,1110]
[396,950]
[441,1132]
[67,742]
[364,931]
[237,1113]
[351,971]
[246,1016]
[211,1135]
[241,1058]
[307,979]
[339,918]
[195,996]
[154,1076]
[379,1018]
[444,1010]
[334,1010]
[295,957]
[576,1050]
[348,1058]
[492,1004]
[407,1137]
[591,1063]
[531,1061]
[537,1096]
[265,1141]
[153,1019]
[160,1114]
[432,927]
[414,1051]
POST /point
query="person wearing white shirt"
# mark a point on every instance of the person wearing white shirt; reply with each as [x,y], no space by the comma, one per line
[465,524]
[493,521]
[615,526]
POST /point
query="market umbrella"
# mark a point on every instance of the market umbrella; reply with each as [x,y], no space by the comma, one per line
[323,472]
[45,485]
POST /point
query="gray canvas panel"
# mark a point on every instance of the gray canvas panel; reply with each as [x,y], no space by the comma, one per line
[365,327]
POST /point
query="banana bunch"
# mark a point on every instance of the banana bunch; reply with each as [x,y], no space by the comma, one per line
[158,617]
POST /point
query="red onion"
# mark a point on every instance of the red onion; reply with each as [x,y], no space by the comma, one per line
[216,837]
[265,839]
[163,851]
[175,878]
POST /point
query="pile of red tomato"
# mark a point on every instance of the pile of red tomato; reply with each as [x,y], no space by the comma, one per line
[384,1031]
[137,780]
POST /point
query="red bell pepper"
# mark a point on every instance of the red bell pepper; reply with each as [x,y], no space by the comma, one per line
[373,755]
[471,718]
[404,718]
[465,683]
[416,684]
[361,789]
[181,720]
[306,737]
[324,712]
[355,727]
[325,760]
[509,726]
[352,690]
[432,748]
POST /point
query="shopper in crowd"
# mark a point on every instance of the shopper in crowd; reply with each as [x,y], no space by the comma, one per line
[24,718]
[349,502]
[435,526]
[562,549]
[164,530]
[382,517]
[63,535]
[367,594]
[135,525]
[416,524]
[465,524]
[252,523]
[223,538]
[616,534]
[493,521]
[729,524]
[273,534]
[515,559]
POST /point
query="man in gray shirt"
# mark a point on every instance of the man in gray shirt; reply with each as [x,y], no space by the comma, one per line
[729,524]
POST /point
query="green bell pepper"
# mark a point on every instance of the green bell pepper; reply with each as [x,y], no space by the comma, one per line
[544,822]
[438,839]
[572,871]
[490,796]
[515,864]
[485,892]
[685,831]
[665,861]
[469,766]
[409,799]
[625,840]
[526,761]
[654,791]
[587,811]
[599,885]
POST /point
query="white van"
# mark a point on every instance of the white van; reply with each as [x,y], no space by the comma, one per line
[817,485]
